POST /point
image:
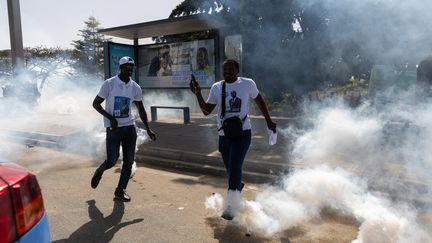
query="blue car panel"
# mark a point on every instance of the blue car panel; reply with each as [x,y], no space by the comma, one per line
[40,233]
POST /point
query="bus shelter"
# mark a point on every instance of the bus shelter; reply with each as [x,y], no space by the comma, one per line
[169,64]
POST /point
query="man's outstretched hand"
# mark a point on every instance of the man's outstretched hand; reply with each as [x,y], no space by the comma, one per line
[151,134]
[113,124]
[271,126]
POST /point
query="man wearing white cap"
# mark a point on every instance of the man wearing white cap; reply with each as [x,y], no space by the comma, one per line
[119,92]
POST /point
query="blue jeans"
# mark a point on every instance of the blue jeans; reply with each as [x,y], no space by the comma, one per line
[126,136]
[233,154]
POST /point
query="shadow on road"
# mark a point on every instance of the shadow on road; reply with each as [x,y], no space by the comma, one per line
[100,228]
[229,231]
[216,182]
[225,231]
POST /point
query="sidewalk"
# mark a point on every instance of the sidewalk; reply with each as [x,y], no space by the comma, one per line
[183,147]
[194,147]
[187,147]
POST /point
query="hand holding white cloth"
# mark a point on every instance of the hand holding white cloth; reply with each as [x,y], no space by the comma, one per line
[272,137]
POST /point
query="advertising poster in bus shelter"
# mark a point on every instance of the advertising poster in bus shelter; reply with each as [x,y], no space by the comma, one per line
[117,51]
[171,65]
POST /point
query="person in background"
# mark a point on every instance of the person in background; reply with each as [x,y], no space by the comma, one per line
[165,67]
[155,63]
[202,58]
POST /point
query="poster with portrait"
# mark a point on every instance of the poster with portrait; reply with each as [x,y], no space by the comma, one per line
[171,65]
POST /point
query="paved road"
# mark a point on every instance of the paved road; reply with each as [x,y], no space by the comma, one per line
[165,207]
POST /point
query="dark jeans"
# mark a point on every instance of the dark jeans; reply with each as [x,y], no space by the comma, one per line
[126,136]
[233,154]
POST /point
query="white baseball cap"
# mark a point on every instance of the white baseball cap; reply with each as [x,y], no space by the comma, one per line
[126,60]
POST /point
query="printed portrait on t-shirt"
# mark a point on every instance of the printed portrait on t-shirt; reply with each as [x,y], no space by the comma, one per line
[121,107]
[234,102]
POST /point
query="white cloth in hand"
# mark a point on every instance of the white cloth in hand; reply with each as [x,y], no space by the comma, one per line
[272,137]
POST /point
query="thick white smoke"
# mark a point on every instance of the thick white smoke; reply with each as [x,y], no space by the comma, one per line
[390,31]
[171,98]
[64,113]
[349,159]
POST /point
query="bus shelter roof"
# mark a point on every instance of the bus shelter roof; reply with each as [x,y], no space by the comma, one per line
[170,26]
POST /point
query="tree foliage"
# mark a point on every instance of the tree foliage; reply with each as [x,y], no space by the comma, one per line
[189,7]
[88,50]
[41,64]
[5,64]
[286,44]
[44,62]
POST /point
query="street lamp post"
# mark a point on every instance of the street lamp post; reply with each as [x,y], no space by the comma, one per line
[17,50]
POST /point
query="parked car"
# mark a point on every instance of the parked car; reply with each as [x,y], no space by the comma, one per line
[22,214]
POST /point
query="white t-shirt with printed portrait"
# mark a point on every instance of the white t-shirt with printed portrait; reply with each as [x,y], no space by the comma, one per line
[118,97]
[236,100]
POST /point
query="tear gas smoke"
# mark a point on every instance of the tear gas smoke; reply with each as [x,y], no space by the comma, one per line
[63,115]
[349,159]
[388,31]
[63,111]
[171,98]
[353,159]
[301,197]
[331,41]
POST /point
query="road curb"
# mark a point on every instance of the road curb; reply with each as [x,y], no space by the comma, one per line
[249,165]
[179,165]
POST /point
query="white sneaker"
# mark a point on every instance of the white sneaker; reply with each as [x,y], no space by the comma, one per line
[227,214]
[232,204]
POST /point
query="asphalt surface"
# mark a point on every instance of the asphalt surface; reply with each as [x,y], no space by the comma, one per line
[165,207]
[167,202]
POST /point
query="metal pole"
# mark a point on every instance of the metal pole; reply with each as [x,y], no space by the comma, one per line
[136,60]
[17,50]
[107,61]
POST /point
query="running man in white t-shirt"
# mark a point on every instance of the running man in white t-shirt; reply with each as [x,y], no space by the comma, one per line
[119,92]
[238,91]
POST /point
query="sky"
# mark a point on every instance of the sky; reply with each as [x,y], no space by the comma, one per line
[53,23]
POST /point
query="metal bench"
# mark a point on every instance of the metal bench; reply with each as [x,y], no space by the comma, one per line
[186,112]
